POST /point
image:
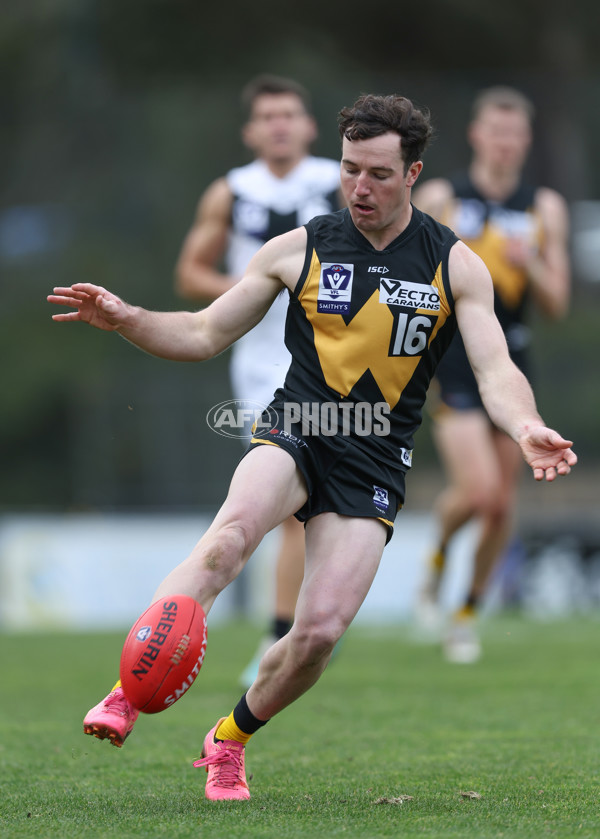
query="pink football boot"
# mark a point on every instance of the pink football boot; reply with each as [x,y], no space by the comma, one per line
[112,719]
[224,762]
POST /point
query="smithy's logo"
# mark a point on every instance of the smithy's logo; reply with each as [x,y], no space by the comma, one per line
[335,288]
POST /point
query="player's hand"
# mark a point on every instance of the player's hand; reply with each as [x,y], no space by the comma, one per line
[519,251]
[548,454]
[93,304]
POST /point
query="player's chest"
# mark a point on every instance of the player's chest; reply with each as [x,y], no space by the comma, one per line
[398,282]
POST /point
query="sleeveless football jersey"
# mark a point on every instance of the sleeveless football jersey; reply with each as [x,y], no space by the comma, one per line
[265,206]
[369,326]
[486,227]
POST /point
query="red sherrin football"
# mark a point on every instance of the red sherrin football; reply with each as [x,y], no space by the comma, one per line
[163,653]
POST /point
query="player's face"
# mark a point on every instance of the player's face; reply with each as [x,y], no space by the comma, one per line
[501,137]
[374,184]
[279,129]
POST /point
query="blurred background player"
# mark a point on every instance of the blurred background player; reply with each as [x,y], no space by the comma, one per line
[521,234]
[283,188]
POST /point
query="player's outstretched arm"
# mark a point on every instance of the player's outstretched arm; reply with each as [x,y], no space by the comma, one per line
[175,335]
[192,336]
[505,391]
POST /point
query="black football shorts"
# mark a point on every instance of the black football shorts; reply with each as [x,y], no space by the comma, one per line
[341,477]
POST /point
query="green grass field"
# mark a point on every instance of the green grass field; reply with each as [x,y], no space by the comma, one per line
[389,719]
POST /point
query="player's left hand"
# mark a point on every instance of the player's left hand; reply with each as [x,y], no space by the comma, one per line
[548,454]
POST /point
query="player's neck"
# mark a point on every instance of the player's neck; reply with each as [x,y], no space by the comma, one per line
[381,239]
[495,184]
[281,168]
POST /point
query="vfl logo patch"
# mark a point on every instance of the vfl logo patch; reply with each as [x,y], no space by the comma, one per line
[335,288]
[410,295]
[406,457]
[381,498]
[143,633]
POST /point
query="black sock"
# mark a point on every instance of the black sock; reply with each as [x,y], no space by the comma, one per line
[472,601]
[245,719]
[280,627]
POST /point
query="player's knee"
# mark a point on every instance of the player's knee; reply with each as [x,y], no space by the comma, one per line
[483,500]
[500,509]
[315,640]
[228,547]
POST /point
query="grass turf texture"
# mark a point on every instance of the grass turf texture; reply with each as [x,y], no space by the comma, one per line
[388,719]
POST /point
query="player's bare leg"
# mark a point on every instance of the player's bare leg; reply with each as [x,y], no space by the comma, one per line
[289,571]
[498,523]
[466,445]
[342,557]
[266,488]
[464,442]
[483,466]
[218,557]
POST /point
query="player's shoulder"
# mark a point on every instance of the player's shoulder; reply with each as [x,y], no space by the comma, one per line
[215,201]
[322,169]
[466,270]
[283,256]
[434,228]
[433,196]
[245,176]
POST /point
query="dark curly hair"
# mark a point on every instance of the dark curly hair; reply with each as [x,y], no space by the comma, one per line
[372,115]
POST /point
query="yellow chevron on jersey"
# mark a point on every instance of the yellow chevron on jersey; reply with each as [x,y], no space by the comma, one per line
[347,350]
[487,228]
[366,327]
[510,281]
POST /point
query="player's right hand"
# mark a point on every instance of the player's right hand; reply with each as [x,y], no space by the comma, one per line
[92,304]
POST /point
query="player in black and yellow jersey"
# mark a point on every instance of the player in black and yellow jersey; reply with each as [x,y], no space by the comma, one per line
[358,324]
[375,291]
[521,234]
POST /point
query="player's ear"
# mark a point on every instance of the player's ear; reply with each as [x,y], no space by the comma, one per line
[473,133]
[414,170]
[312,130]
[248,136]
